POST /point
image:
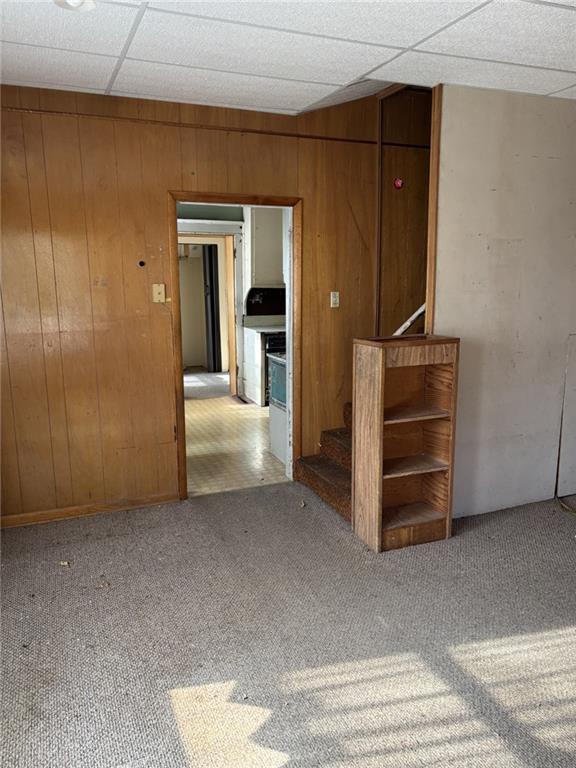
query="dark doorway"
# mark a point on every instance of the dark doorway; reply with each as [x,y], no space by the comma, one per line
[212,308]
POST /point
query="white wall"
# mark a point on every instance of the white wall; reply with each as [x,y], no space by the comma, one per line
[506,284]
[266,232]
[192,309]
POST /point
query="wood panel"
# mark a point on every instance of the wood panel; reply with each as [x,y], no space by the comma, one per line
[24,343]
[337,183]
[10,485]
[41,230]
[76,320]
[367,443]
[352,121]
[406,117]
[418,355]
[89,402]
[403,235]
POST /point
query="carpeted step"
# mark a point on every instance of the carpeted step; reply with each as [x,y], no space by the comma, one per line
[336,444]
[348,415]
[328,480]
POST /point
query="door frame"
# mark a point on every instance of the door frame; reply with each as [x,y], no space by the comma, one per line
[231,313]
[229,256]
[295,203]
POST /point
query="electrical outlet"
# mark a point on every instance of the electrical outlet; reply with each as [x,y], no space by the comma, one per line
[334,299]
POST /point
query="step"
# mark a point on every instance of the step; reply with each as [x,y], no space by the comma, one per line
[328,480]
[336,444]
[348,415]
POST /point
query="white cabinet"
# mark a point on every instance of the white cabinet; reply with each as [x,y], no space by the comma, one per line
[253,367]
[278,430]
[267,247]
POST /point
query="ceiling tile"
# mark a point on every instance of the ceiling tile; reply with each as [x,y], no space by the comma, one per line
[163,81]
[25,64]
[569,93]
[417,68]
[359,90]
[394,22]
[513,31]
[102,30]
[562,3]
[190,41]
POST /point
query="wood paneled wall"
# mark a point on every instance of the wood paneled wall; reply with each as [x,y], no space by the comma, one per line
[405,155]
[88,390]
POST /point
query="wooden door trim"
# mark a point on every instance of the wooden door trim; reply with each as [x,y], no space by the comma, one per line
[432,243]
[174,296]
[234,199]
[296,332]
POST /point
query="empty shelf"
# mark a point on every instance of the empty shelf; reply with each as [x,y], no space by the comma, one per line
[419,464]
[406,413]
[410,514]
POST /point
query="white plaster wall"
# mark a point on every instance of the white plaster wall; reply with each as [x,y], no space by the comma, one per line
[192,310]
[506,284]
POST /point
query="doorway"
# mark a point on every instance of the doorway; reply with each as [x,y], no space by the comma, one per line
[206,307]
[237,282]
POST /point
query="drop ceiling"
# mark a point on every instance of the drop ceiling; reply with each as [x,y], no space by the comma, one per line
[289,56]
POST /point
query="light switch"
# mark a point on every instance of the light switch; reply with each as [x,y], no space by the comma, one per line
[334,299]
[159,293]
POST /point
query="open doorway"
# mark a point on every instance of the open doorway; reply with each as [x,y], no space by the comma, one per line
[236,287]
[205,265]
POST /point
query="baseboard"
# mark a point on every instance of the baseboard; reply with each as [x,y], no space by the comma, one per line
[49,515]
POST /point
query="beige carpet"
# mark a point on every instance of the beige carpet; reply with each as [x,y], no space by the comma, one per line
[252,630]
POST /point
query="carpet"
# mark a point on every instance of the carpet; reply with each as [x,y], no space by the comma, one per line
[251,629]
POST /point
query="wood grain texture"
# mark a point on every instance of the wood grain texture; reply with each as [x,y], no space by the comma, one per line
[297,331]
[403,153]
[409,528]
[403,231]
[63,513]
[411,413]
[432,236]
[23,328]
[411,394]
[90,402]
[406,115]
[40,217]
[367,442]
[400,357]
[352,121]
[338,244]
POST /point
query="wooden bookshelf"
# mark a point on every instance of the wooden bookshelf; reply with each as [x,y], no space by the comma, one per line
[404,406]
[421,412]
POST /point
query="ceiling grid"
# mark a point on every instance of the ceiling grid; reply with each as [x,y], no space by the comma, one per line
[288,56]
